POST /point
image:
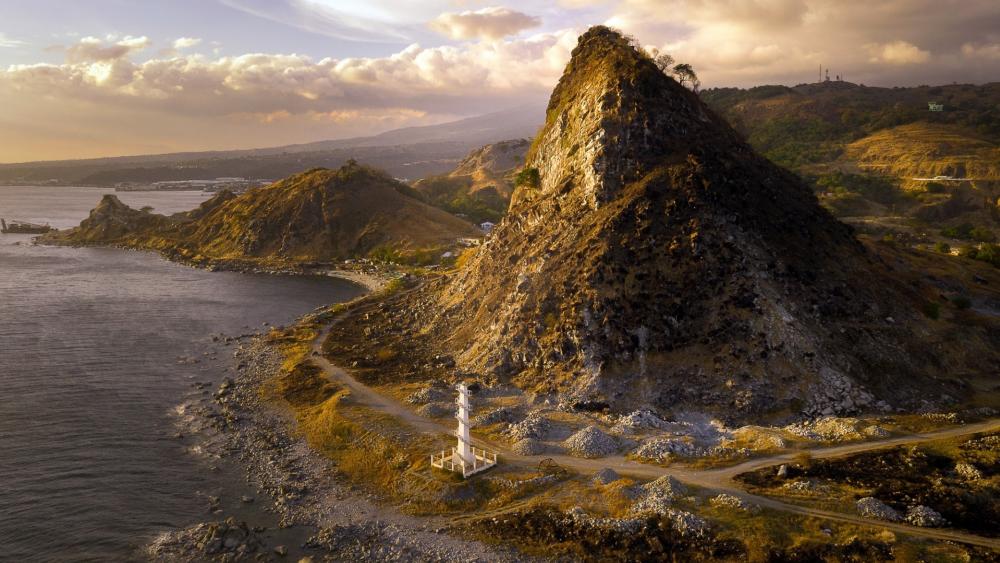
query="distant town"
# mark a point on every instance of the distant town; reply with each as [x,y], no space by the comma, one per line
[233,184]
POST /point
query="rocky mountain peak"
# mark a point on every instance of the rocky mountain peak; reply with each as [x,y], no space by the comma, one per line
[613,116]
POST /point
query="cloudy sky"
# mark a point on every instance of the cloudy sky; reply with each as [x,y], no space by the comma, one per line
[84,78]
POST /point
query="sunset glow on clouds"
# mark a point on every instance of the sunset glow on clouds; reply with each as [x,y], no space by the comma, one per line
[303,70]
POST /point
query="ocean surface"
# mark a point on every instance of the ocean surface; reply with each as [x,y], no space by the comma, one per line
[97,348]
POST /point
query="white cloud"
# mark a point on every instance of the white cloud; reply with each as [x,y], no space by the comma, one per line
[93,49]
[445,79]
[487,23]
[898,53]
[186,42]
[9,42]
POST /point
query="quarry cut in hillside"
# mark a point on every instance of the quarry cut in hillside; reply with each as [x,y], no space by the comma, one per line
[319,215]
[656,259]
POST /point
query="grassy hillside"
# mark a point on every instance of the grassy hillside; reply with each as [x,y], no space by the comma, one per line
[317,216]
[481,185]
[863,150]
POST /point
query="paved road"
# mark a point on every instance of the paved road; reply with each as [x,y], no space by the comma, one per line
[721,480]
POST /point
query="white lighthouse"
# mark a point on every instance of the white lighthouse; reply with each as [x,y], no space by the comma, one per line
[465,458]
[464,450]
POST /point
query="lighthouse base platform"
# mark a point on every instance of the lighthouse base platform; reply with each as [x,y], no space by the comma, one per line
[452,461]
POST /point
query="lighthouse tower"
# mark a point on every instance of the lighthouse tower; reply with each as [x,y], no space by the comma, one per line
[463,452]
[464,458]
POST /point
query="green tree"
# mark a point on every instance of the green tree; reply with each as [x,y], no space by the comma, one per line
[663,61]
[685,73]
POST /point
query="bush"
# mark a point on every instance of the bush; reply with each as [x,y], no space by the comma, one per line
[935,188]
[874,188]
[989,253]
[804,460]
[967,231]
[982,234]
[528,177]
[961,301]
[385,253]
[932,310]
[943,248]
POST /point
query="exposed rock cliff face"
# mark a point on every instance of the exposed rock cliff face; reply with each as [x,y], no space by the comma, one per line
[659,260]
[318,215]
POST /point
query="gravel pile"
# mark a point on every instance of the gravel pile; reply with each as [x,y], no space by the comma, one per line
[663,448]
[805,486]
[984,443]
[579,517]
[968,471]
[502,414]
[734,502]
[666,487]
[637,421]
[591,442]
[605,476]
[431,394]
[686,523]
[871,507]
[948,417]
[925,517]
[534,426]
[524,484]
[437,410]
[834,429]
[528,446]
[657,496]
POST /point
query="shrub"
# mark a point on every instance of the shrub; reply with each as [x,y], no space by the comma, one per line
[528,177]
[804,460]
[943,248]
[961,301]
[989,253]
[935,188]
[385,253]
[932,310]
[982,234]
[968,252]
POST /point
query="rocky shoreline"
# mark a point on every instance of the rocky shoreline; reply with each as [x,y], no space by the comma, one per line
[297,485]
[369,275]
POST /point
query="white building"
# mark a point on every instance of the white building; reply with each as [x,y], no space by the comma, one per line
[487,226]
[465,458]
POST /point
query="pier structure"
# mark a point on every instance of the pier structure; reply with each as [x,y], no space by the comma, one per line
[464,458]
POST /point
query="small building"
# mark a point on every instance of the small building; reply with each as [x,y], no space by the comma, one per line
[465,458]
[487,226]
[934,106]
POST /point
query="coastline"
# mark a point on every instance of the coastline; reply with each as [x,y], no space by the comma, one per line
[372,277]
[297,484]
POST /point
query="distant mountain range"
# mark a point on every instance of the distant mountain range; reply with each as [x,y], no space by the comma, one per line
[412,152]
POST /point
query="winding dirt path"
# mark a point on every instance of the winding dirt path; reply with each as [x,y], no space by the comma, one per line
[722,479]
